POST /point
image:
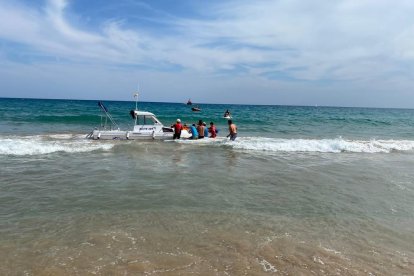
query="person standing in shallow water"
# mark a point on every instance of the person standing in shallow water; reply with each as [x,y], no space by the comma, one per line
[194,132]
[212,130]
[205,130]
[177,129]
[200,129]
[232,130]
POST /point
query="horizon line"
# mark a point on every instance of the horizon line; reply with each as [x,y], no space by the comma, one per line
[197,103]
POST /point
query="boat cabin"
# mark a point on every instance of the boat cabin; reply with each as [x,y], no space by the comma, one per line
[145,122]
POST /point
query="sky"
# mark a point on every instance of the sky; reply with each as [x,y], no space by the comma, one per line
[281,52]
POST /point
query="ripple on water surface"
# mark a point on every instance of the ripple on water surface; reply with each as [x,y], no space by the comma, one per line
[214,243]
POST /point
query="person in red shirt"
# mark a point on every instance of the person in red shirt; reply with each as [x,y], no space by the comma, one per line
[177,129]
[212,129]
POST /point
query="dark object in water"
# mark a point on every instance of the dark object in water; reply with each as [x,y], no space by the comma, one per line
[133,114]
[195,109]
[167,129]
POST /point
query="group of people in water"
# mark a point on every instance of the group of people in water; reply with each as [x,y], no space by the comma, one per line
[201,130]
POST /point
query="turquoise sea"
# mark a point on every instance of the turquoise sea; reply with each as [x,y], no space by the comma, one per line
[302,191]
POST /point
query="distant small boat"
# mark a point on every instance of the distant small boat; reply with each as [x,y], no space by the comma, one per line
[227,115]
[189,102]
[196,109]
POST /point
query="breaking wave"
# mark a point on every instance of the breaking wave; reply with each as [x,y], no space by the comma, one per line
[77,143]
[38,145]
[320,145]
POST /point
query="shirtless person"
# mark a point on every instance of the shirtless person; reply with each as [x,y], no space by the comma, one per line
[200,129]
[232,130]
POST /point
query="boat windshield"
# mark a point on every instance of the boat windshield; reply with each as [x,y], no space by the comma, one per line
[146,120]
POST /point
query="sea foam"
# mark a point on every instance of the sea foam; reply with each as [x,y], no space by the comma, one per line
[70,143]
[321,145]
[38,145]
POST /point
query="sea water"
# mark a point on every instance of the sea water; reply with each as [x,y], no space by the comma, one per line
[302,191]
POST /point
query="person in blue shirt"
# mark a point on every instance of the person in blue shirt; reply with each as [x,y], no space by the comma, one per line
[205,130]
[194,132]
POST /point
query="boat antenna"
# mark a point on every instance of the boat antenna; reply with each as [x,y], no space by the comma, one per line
[136,100]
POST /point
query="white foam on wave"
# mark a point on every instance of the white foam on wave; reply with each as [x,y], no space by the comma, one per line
[321,145]
[204,141]
[75,143]
[58,136]
[38,145]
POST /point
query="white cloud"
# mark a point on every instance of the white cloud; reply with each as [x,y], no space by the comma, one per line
[62,29]
[367,41]
[317,32]
[324,35]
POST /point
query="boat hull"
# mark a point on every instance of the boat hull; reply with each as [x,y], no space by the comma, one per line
[129,135]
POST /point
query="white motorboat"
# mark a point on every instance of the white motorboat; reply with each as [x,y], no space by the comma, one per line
[146,127]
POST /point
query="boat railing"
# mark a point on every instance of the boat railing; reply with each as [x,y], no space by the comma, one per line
[107,116]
